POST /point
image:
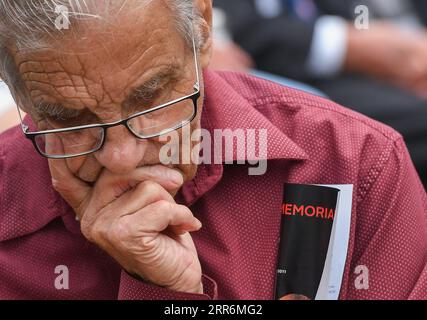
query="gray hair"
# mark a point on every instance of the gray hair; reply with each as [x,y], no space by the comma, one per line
[31,24]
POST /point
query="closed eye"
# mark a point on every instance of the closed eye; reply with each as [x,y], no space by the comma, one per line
[57,112]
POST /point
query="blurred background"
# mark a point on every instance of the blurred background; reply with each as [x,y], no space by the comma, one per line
[368,55]
[8,114]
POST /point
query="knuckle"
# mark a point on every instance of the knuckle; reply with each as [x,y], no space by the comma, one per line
[164,206]
[98,231]
[87,230]
[122,230]
[150,187]
[95,232]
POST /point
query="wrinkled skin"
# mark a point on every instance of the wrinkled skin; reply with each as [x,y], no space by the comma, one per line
[121,194]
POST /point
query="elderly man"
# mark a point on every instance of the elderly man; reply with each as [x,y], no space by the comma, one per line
[90,209]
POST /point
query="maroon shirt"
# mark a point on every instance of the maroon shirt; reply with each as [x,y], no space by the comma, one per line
[310,141]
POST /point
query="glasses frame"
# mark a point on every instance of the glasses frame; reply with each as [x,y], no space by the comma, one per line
[124,122]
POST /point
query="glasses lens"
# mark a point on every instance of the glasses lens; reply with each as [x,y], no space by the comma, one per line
[163,120]
[70,143]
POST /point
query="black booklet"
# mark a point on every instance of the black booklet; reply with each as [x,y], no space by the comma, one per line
[308,214]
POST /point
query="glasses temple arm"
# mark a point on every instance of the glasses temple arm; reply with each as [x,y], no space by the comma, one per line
[197,85]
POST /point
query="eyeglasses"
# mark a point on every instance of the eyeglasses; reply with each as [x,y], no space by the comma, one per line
[83,140]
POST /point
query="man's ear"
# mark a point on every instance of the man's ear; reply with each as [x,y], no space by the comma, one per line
[205,28]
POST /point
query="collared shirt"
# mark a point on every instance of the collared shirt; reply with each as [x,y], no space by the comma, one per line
[310,141]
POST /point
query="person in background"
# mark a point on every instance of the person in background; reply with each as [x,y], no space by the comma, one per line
[227,55]
[380,71]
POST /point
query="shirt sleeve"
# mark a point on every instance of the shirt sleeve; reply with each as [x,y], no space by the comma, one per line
[328,46]
[135,289]
[390,237]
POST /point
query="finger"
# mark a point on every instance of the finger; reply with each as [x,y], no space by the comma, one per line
[160,215]
[144,194]
[180,230]
[170,179]
[74,191]
[110,187]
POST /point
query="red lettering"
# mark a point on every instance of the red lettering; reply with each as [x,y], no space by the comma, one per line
[287,209]
[310,214]
[309,211]
[319,212]
[299,210]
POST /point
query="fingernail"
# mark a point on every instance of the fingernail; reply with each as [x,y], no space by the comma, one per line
[198,224]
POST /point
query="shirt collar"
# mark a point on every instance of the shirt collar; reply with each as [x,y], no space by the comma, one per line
[227,106]
[230,103]
[28,201]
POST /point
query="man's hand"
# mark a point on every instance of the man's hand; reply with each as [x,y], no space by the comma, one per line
[135,219]
[386,52]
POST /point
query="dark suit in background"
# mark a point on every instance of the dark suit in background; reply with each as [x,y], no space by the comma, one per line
[281,44]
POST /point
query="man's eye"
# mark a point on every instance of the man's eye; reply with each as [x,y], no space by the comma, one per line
[73,121]
[57,119]
[157,97]
[62,120]
[154,98]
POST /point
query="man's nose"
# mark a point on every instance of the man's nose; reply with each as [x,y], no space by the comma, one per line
[122,151]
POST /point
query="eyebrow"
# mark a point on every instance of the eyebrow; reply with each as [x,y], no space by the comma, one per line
[146,92]
[143,93]
[57,110]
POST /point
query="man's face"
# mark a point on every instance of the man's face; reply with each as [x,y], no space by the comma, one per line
[93,79]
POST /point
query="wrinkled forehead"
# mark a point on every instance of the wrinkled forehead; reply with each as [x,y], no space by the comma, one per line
[119,33]
[102,56]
